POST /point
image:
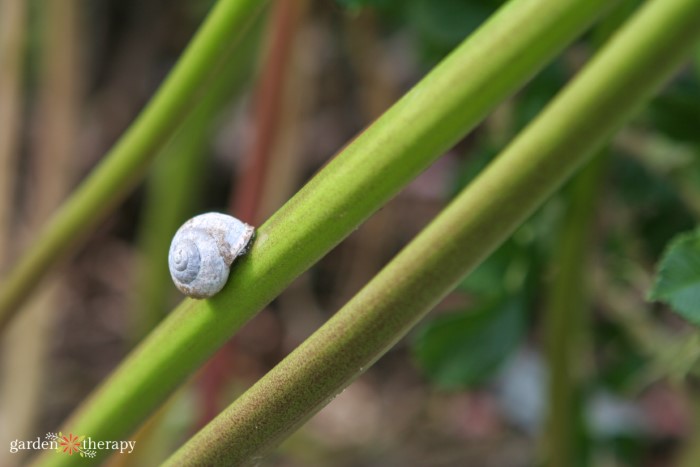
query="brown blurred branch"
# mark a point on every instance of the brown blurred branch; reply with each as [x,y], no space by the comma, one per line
[12,47]
[50,175]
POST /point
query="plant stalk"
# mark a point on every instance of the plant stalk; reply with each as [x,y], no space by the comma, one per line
[566,320]
[576,124]
[567,314]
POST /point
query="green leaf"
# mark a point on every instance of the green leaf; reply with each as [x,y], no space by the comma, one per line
[437,26]
[447,22]
[621,362]
[678,277]
[539,92]
[493,279]
[463,349]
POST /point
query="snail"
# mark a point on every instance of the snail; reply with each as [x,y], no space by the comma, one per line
[203,250]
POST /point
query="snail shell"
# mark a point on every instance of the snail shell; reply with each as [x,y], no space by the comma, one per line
[202,251]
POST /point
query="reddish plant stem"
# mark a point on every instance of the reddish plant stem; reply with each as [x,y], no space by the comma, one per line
[247,193]
[246,196]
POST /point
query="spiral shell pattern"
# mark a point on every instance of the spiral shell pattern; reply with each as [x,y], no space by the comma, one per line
[203,250]
[186,261]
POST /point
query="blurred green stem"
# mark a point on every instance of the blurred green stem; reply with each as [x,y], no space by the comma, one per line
[566,320]
[172,191]
[439,111]
[580,119]
[689,455]
[175,183]
[567,315]
[124,165]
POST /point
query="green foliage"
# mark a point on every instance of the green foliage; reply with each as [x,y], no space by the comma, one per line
[441,25]
[676,112]
[499,274]
[354,4]
[656,209]
[678,277]
[437,25]
[620,362]
[629,450]
[539,91]
[463,349]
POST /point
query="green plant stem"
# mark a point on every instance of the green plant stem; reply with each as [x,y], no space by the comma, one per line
[435,114]
[689,455]
[607,92]
[172,193]
[567,314]
[125,164]
[566,319]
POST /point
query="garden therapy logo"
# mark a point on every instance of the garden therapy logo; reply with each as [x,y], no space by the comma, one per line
[71,444]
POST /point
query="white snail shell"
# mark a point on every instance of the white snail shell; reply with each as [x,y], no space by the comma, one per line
[202,251]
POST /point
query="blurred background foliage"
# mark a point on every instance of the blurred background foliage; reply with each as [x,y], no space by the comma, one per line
[471,386]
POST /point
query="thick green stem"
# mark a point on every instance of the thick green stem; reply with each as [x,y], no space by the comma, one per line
[435,114]
[574,125]
[125,164]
